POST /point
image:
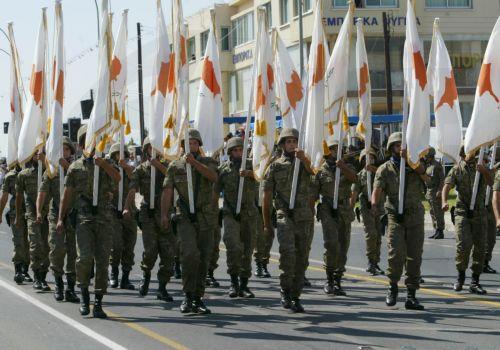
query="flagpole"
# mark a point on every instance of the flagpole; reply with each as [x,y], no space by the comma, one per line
[122,132]
[476,181]
[402,165]
[491,166]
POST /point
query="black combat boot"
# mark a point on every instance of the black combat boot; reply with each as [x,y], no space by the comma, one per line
[70,295]
[187,304]
[85,302]
[45,285]
[337,287]
[125,282]
[487,268]
[234,289]
[459,284]
[265,273]
[162,293]
[307,283]
[144,284]
[245,292]
[378,270]
[433,235]
[18,275]
[296,306]
[210,280]
[286,299]
[177,268]
[392,295]
[199,307]
[26,275]
[259,272]
[328,287]
[113,281]
[412,301]
[439,234]
[475,287]
[98,312]
[37,284]
[59,290]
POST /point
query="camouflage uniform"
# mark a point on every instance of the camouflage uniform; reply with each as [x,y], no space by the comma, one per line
[263,240]
[436,173]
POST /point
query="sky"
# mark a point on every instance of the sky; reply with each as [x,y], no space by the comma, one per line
[80,31]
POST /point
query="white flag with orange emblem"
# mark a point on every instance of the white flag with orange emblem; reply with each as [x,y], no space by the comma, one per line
[418,129]
[54,141]
[208,116]
[34,127]
[446,106]
[364,127]
[314,123]
[484,126]
[289,90]
[265,119]
[16,102]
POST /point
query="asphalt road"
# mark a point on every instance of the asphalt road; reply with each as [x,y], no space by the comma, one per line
[359,321]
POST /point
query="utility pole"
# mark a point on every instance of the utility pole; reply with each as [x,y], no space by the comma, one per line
[141,93]
[388,80]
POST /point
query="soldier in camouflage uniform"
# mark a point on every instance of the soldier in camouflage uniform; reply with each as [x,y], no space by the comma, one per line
[336,223]
[21,257]
[470,225]
[372,224]
[263,241]
[195,229]
[210,280]
[496,198]
[492,230]
[239,229]
[405,232]
[93,237]
[434,170]
[157,241]
[61,244]
[293,225]
[124,228]
[38,232]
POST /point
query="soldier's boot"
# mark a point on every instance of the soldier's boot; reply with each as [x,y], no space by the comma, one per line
[177,268]
[328,287]
[265,273]
[59,289]
[70,295]
[187,304]
[307,283]
[259,272]
[18,275]
[97,311]
[162,293]
[296,306]
[144,284]
[487,268]
[37,284]
[85,302]
[210,280]
[439,234]
[45,285]
[433,235]
[459,283]
[392,295]
[412,301]
[125,282]
[199,307]
[26,275]
[113,281]
[378,270]
[245,292]
[286,299]
[475,287]
[371,269]
[234,289]
[337,287]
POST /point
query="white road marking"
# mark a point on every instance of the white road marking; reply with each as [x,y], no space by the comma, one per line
[69,321]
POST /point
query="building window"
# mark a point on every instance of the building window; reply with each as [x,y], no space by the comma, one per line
[306,6]
[269,15]
[191,49]
[367,3]
[284,15]
[243,29]
[240,83]
[448,3]
[204,40]
[224,39]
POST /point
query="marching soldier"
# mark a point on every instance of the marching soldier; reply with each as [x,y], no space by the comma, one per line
[496,198]
[293,225]
[336,223]
[405,232]
[239,229]
[93,237]
[157,241]
[434,170]
[470,225]
[492,230]
[62,245]
[263,241]
[195,229]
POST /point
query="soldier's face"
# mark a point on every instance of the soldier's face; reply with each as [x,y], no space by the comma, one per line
[66,152]
[290,144]
[194,146]
[396,148]
[148,151]
[237,153]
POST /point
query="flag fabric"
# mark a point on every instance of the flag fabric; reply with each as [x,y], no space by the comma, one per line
[265,119]
[446,105]
[364,127]
[54,146]
[318,57]
[208,116]
[160,83]
[418,129]
[100,117]
[336,82]
[16,101]
[289,90]
[484,126]
[33,130]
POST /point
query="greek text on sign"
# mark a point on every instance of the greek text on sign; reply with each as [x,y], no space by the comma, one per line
[367,21]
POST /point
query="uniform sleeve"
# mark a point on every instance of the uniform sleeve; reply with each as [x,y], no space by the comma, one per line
[169,178]
[268,181]
[496,186]
[380,178]
[45,186]
[451,179]
[69,180]
[219,184]
[6,181]
[356,186]
[134,180]
[19,183]
[315,185]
